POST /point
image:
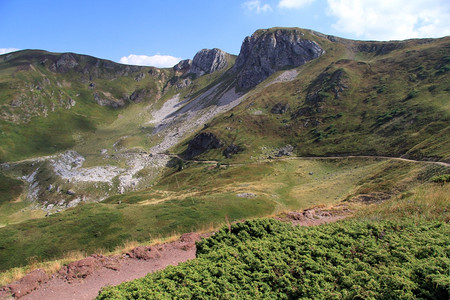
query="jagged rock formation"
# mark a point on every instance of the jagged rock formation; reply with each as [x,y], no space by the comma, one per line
[64,63]
[111,102]
[183,66]
[268,51]
[208,61]
[202,142]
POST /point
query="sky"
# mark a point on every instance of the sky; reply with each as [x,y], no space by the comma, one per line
[161,33]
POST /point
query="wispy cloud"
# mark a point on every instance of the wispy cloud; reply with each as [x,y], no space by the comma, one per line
[256,6]
[294,3]
[7,50]
[389,20]
[159,61]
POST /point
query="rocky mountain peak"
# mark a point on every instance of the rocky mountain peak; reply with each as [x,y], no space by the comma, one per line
[64,63]
[183,66]
[207,61]
[268,51]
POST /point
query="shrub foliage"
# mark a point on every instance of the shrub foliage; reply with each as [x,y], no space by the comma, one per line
[265,258]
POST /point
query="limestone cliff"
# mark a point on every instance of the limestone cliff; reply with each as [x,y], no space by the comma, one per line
[208,61]
[268,51]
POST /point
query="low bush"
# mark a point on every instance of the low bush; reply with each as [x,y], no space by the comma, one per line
[267,259]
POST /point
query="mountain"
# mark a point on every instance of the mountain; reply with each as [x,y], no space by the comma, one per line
[297,119]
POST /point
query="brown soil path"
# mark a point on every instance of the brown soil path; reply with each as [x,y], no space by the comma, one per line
[439,163]
[84,279]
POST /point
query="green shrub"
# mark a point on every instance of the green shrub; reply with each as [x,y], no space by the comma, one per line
[267,259]
[441,178]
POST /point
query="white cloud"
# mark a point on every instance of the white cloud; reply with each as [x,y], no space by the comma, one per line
[256,6]
[391,19]
[294,3]
[159,61]
[7,50]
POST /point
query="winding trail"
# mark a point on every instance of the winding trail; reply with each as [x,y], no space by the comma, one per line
[439,163]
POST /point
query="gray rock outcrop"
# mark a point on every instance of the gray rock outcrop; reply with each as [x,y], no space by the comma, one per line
[183,66]
[201,143]
[285,151]
[268,51]
[208,61]
[103,101]
[64,63]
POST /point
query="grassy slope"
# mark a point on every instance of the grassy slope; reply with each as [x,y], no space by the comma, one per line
[200,196]
[393,104]
[38,118]
[203,196]
[26,131]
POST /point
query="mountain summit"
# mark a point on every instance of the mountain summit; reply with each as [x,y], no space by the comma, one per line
[271,50]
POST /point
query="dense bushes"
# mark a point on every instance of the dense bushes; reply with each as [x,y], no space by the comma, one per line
[269,259]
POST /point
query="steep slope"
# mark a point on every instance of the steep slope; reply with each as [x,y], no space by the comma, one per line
[109,114]
[49,99]
[358,98]
[268,51]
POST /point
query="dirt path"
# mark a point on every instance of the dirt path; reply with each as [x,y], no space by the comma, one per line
[84,279]
[439,163]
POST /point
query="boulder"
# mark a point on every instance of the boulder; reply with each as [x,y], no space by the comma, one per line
[246,195]
[285,151]
[187,241]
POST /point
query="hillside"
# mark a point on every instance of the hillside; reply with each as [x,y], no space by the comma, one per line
[97,153]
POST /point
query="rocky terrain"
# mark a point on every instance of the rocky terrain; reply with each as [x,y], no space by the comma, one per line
[268,51]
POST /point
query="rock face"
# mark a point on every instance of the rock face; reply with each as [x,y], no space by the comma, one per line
[268,51]
[207,61]
[183,66]
[103,101]
[64,63]
[202,142]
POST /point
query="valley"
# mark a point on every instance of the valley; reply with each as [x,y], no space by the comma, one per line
[95,154]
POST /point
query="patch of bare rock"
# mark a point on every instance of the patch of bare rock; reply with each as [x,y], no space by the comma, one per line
[317,216]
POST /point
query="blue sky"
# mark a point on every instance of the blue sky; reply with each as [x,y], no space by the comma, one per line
[162,32]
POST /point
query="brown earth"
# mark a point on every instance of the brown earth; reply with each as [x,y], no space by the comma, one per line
[84,279]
